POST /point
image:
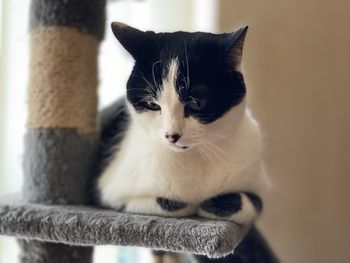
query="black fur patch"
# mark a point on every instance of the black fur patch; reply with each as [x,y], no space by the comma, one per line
[207,83]
[223,205]
[256,201]
[170,205]
[114,121]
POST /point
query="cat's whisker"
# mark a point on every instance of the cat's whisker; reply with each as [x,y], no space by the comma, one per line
[188,67]
[154,78]
[194,100]
[217,136]
[207,146]
[186,85]
[218,149]
[200,152]
[141,76]
[216,154]
[183,78]
[147,99]
[213,146]
[202,149]
[194,134]
[148,83]
[200,133]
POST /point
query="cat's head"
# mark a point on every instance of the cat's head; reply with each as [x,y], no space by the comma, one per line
[185,89]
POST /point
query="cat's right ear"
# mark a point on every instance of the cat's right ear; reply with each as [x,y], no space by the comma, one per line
[235,49]
[138,43]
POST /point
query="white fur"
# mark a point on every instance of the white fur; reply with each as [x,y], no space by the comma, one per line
[223,157]
[172,110]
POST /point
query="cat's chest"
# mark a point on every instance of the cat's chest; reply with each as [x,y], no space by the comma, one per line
[144,169]
[189,176]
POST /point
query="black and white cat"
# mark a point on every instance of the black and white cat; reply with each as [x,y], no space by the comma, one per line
[183,142]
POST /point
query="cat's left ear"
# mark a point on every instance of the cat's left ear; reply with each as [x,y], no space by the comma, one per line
[138,43]
[235,49]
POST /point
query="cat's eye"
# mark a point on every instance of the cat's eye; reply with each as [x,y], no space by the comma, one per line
[196,104]
[152,106]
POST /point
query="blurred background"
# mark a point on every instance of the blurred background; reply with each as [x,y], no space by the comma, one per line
[296,65]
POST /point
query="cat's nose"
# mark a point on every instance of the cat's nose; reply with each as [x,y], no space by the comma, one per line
[173,138]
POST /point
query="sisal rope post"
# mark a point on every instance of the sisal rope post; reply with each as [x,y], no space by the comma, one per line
[62,113]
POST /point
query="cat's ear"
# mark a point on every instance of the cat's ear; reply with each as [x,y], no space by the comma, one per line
[138,43]
[235,49]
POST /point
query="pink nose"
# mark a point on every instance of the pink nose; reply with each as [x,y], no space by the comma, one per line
[173,138]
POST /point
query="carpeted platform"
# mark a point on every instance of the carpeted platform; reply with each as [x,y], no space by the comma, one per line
[88,226]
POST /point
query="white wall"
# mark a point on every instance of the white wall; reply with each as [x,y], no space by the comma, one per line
[14,72]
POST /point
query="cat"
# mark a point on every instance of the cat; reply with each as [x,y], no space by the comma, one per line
[182,141]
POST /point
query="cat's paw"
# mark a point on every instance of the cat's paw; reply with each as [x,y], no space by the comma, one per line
[170,205]
[223,205]
[159,206]
[241,208]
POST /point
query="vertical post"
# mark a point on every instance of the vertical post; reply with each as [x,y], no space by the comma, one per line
[62,111]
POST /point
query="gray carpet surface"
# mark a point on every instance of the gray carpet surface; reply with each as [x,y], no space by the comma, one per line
[87,226]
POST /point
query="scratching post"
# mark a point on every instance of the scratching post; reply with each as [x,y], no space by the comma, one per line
[62,104]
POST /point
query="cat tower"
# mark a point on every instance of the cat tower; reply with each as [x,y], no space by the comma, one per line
[52,219]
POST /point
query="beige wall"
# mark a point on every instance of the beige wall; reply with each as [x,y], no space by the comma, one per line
[297,64]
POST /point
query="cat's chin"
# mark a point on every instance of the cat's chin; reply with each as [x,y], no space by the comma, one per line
[179,148]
